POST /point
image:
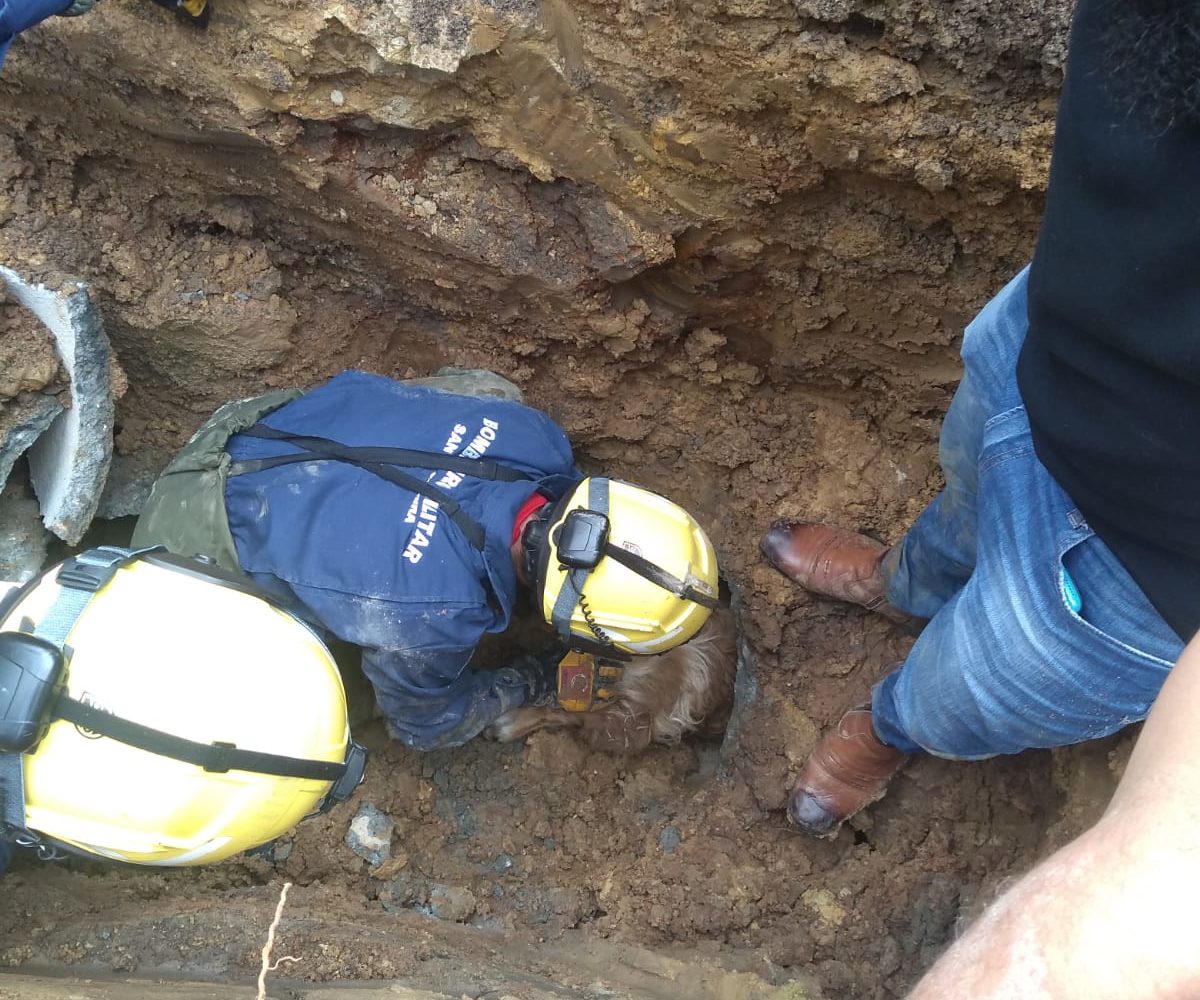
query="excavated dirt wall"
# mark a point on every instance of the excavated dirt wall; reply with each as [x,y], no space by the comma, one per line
[730,245]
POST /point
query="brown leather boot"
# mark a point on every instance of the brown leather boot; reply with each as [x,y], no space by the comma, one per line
[832,562]
[848,770]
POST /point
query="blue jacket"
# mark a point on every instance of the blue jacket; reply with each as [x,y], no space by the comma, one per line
[385,568]
[17,15]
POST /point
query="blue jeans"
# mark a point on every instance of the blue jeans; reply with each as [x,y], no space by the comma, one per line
[1009,660]
[17,15]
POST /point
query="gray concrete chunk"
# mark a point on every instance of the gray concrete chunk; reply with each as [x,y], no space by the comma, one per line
[26,418]
[68,463]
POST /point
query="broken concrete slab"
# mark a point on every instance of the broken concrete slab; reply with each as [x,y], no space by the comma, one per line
[69,462]
[26,418]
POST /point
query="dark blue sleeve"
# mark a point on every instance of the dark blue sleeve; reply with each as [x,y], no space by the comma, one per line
[17,15]
[431,700]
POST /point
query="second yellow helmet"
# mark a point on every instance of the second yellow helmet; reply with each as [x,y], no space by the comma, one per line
[624,568]
[163,714]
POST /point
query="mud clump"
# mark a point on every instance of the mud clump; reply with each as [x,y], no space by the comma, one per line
[730,247]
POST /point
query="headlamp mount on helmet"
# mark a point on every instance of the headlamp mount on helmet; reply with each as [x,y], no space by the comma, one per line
[31,672]
[581,540]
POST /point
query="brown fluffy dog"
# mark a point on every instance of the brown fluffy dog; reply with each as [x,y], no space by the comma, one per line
[658,698]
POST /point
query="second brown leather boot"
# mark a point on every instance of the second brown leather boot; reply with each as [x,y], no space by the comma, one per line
[832,562]
[848,770]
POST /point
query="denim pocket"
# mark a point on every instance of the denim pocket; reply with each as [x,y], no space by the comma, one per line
[1112,608]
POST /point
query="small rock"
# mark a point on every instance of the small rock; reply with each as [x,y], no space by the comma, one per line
[337,98]
[670,839]
[933,175]
[401,893]
[390,868]
[424,207]
[452,903]
[503,864]
[282,851]
[370,835]
[823,903]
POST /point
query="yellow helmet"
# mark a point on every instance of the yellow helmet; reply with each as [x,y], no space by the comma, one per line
[163,712]
[620,567]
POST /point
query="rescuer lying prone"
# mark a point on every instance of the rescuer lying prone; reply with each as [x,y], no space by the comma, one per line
[411,519]
[406,519]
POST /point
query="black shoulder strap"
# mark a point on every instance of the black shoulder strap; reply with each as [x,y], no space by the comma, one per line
[480,468]
[315,450]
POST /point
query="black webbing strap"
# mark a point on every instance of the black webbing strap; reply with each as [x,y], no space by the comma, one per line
[660,577]
[643,567]
[480,468]
[470,528]
[322,449]
[215,757]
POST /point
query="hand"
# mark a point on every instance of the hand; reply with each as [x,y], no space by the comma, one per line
[539,670]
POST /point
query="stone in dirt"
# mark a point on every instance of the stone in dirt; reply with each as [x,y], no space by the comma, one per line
[452,902]
[23,548]
[370,835]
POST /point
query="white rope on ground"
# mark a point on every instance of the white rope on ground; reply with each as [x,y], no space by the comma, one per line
[267,965]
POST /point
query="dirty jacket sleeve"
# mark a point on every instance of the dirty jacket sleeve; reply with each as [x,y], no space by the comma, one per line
[430,698]
[17,15]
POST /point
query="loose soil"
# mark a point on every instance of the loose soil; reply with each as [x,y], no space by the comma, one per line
[730,246]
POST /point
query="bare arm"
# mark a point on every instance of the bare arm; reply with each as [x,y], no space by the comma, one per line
[1112,914]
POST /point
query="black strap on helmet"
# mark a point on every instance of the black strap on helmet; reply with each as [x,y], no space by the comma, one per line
[12,792]
[570,594]
[215,757]
[382,462]
[657,575]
